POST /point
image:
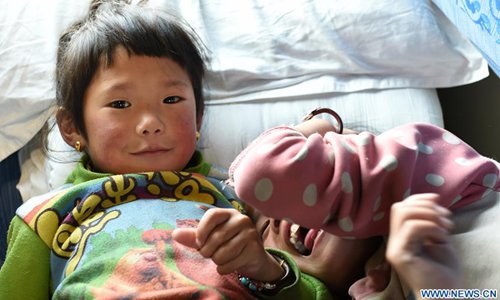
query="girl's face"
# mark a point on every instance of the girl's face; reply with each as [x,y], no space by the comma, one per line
[335,261]
[140,115]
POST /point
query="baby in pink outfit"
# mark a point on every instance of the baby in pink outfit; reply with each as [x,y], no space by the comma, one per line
[346,184]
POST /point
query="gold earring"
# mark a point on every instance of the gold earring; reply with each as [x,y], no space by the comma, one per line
[78,146]
[198,135]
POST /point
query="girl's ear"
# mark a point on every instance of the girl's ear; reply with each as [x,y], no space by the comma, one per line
[67,128]
[199,118]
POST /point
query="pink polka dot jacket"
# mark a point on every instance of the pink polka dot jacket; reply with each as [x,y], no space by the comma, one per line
[346,184]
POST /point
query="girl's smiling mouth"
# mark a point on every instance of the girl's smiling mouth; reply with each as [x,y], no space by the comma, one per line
[152,151]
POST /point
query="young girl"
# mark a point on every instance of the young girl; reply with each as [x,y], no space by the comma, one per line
[129,88]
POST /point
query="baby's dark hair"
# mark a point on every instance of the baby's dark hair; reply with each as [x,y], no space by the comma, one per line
[141,30]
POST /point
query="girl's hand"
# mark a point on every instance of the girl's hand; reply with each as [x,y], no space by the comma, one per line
[419,246]
[231,240]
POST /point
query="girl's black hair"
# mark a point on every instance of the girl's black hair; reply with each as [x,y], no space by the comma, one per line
[141,30]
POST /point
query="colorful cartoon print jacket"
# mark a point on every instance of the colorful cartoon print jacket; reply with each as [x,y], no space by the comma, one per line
[109,237]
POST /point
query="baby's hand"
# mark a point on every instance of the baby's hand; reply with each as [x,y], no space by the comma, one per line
[231,240]
[419,247]
[320,126]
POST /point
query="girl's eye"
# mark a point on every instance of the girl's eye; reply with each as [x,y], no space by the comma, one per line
[120,104]
[172,99]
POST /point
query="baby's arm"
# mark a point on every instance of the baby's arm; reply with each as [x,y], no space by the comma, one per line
[231,240]
[419,247]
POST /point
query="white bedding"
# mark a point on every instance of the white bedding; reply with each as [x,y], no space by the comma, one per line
[265,49]
[377,64]
[235,125]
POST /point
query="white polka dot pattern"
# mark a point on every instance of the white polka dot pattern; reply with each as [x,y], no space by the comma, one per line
[463,161]
[347,147]
[490,180]
[346,183]
[346,224]
[302,154]
[310,194]
[263,189]
[389,163]
[363,139]
[450,138]
[331,157]
[434,179]
[423,148]
[455,200]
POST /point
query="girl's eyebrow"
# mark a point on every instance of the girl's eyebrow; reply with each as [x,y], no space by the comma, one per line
[123,86]
[176,83]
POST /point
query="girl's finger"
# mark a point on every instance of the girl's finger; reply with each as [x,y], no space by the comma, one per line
[238,227]
[411,237]
[401,213]
[185,236]
[424,196]
[210,220]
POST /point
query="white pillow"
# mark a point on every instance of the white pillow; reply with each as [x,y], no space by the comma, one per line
[29,31]
[260,50]
[267,49]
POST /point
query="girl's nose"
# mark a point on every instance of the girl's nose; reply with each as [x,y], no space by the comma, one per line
[150,124]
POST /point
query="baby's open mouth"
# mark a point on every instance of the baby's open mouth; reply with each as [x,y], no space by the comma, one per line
[302,238]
